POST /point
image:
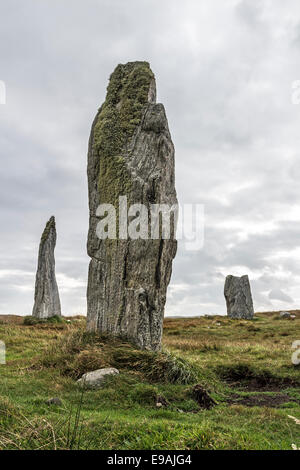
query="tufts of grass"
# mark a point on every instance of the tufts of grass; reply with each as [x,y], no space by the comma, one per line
[7,410]
[44,360]
[163,367]
[55,319]
[18,431]
[144,394]
[30,320]
[242,372]
[237,372]
[82,352]
[75,354]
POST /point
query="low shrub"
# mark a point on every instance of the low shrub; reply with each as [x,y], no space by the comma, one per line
[30,320]
[156,367]
[143,394]
[81,352]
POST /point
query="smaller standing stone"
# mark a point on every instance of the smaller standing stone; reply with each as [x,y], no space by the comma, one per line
[285,315]
[46,296]
[238,297]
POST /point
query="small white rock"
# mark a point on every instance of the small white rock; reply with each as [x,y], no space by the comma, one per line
[96,378]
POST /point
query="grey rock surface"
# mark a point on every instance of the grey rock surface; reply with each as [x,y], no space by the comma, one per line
[96,378]
[130,154]
[54,401]
[285,315]
[238,297]
[46,297]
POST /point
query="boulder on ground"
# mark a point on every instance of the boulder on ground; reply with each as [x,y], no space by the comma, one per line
[54,401]
[96,378]
[284,315]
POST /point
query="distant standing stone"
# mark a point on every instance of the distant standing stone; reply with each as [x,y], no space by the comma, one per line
[46,297]
[285,315]
[238,297]
[96,378]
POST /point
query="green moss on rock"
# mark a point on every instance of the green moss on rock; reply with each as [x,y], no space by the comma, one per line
[120,114]
[49,225]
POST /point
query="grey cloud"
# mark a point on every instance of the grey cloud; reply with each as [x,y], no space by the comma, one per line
[249,12]
[278,294]
[224,72]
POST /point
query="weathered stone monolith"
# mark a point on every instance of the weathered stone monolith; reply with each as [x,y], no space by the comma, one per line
[238,297]
[46,297]
[130,154]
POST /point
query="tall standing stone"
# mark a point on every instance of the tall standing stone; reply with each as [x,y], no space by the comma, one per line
[130,154]
[46,297]
[238,297]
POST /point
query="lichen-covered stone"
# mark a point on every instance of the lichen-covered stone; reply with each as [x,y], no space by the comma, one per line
[238,297]
[130,154]
[46,297]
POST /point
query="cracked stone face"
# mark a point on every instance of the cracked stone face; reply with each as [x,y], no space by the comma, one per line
[46,296]
[238,297]
[130,154]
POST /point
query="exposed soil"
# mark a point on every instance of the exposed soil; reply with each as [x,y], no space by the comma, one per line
[261,400]
[243,377]
[259,385]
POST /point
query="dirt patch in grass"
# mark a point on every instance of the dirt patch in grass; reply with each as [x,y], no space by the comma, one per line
[245,377]
[273,401]
[266,385]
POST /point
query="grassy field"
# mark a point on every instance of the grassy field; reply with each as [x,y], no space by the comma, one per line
[245,367]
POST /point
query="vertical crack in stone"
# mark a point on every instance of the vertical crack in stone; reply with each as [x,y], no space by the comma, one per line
[158,266]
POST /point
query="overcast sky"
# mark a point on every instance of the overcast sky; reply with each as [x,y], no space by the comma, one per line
[224,72]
